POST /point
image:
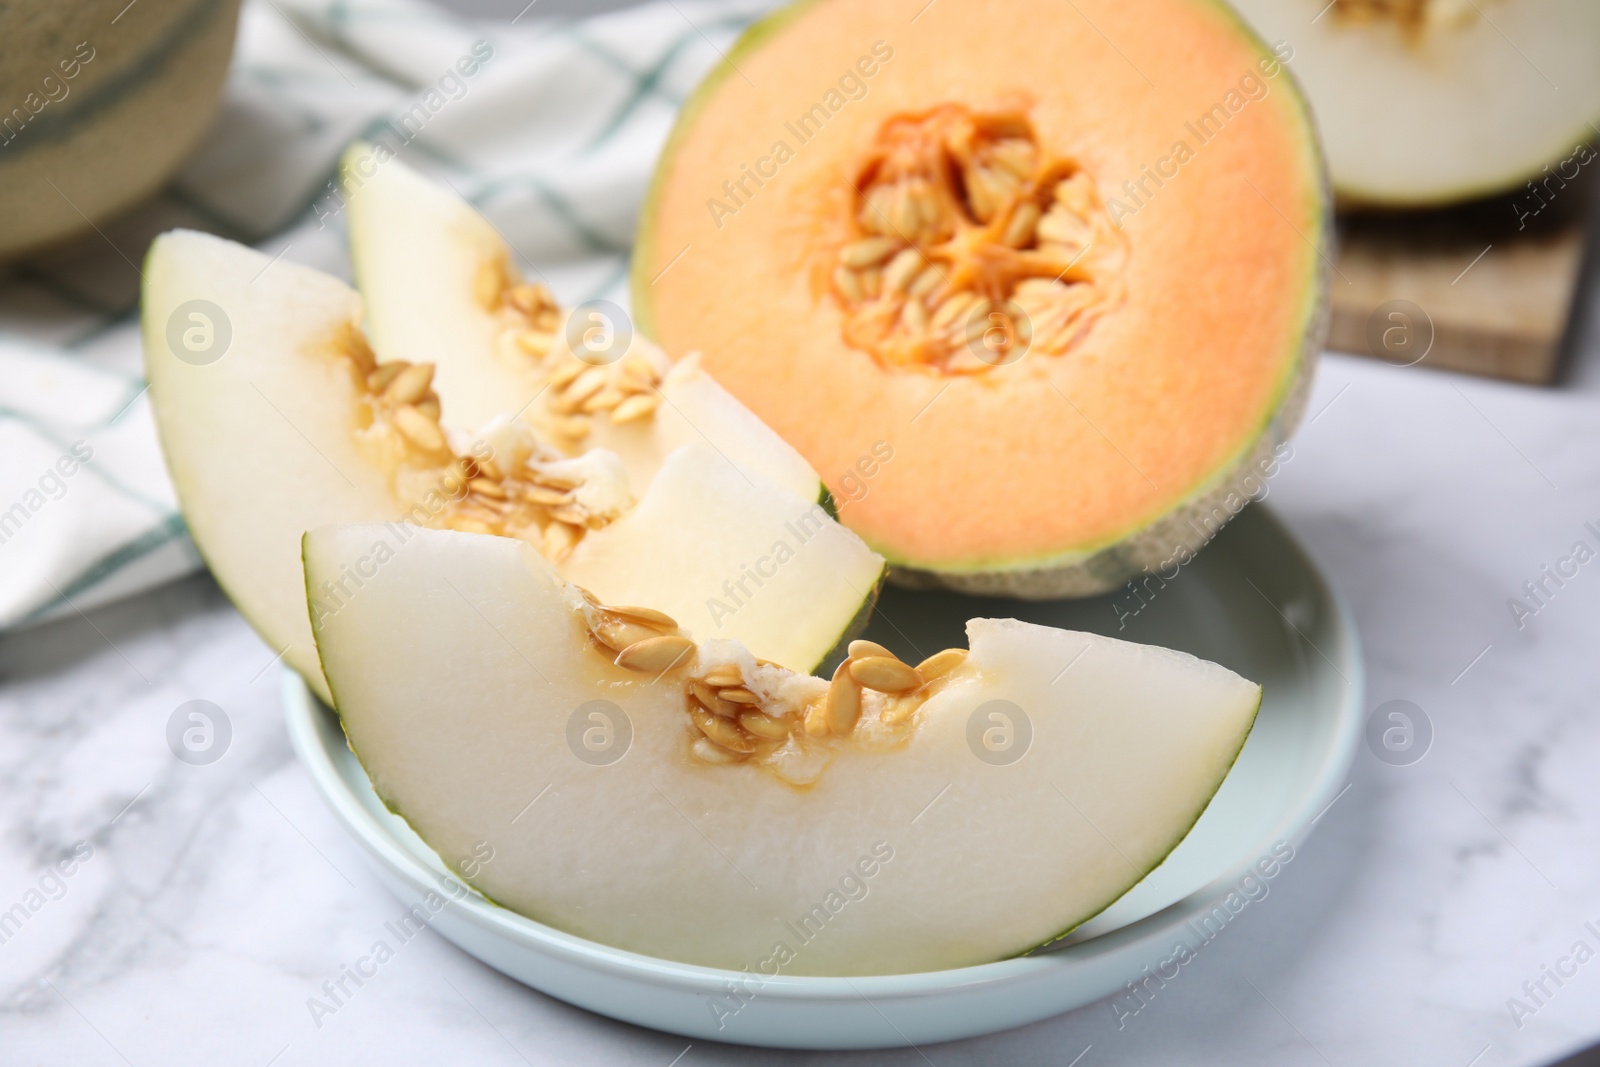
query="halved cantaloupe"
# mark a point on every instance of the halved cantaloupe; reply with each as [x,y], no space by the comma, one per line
[1067,263]
[275,418]
[687,802]
[1424,102]
[440,287]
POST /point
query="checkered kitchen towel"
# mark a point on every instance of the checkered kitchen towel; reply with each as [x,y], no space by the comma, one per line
[553,136]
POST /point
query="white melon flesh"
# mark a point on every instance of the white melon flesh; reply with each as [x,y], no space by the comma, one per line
[413,235]
[695,409]
[420,251]
[1474,101]
[784,578]
[261,443]
[274,438]
[462,671]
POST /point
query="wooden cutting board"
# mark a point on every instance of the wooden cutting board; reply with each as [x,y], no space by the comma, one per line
[1486,288]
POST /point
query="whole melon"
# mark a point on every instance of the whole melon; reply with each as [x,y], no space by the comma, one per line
[102,101]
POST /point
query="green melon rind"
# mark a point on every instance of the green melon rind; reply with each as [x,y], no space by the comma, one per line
[1176,841]
[826,501]
[852,630]
[1147,545]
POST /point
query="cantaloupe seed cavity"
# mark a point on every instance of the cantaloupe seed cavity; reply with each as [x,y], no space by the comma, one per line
[970,245]
[1414,17]
[509,484]
[580,389]
[743,709]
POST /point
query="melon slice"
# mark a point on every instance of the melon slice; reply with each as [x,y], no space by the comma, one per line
[1424,102]
[688,802]
[1068,264]
[440,288]
[275,419]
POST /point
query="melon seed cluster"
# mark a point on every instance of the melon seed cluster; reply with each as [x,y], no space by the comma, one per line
[579,392]
[969,246]
[731,720]
[534,499]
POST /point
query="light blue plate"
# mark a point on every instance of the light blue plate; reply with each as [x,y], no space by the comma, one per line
[1252,601]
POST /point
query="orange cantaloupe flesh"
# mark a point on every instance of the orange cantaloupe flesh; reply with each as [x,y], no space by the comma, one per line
[1058,455]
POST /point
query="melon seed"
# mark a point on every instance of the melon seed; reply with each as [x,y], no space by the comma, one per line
[557,541]
[619,634]
[725,676]
[640,367]
[418,428]
[604,400]
[379,379]
[901,269]
[1019,231]
[648,616]
[568,370]
[867,252]
[485,487]
[584,386]
[555,479]
[708,696]
[721,731]
[538,494]
[923,283]
[953,308]
[941,663]
[491,282]
[530,298]
[763,725]
[570,514]
[898,709]
[843,702]
[635,407]
[863,649]
[884,674]
[1015,154]
[410,385]
[657,655]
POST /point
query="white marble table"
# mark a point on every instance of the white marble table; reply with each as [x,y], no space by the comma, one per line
[214,900]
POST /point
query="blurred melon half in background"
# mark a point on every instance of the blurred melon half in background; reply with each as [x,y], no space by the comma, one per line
[1427,102]
[100,102]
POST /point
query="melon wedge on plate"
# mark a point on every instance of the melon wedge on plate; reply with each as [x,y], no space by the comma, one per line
[275,419]
[440,288]
[1433,101]
[688,802]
